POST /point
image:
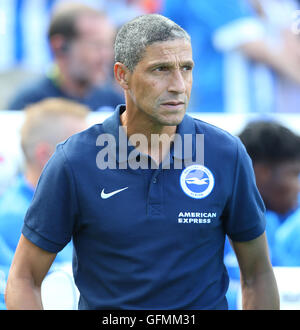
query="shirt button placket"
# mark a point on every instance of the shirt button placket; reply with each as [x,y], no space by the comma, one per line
[155,196]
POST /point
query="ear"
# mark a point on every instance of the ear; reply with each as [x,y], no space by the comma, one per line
[122,75]
[59,45]
[43,152]
[263,173]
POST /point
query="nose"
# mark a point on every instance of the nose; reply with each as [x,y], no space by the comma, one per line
[177,83]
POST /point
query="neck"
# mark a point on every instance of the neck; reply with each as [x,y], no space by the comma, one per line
[159,137]
[32,175]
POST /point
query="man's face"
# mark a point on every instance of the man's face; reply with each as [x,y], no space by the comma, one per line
[280,192]
[91,54]
[160,85]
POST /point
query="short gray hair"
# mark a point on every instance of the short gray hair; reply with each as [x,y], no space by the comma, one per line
[134,36]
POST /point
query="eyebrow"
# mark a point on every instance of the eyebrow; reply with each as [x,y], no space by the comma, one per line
[171,64]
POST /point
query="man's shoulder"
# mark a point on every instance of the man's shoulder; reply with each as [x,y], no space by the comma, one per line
[215,134]
[219,144]
[33,92]
[80,145]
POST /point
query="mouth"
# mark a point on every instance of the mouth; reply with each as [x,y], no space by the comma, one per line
[173,104]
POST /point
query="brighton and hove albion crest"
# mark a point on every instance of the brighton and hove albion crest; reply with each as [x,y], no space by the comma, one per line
[197,181]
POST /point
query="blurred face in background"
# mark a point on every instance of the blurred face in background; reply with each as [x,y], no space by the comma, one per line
[90,55]
[279,186]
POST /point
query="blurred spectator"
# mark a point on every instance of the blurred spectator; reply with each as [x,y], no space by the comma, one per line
[234,58]
[46,124]
[277,16]
[81,39]
[24,23]
[275,153]
[23,27]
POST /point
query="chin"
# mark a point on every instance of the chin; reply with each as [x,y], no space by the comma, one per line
[172,120]
[172,123]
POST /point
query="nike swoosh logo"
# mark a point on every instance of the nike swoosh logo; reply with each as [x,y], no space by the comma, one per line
[105,195]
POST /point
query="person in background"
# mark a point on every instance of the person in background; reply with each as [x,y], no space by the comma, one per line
[275,153]
[81,39]
[46,124]
[280,20]
[236,62]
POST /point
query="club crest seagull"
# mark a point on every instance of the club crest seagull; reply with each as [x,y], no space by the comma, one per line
[197,181]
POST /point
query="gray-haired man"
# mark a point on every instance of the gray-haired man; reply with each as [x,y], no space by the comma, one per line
[153,238]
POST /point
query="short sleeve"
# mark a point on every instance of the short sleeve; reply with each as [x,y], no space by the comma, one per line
[51,217]
[245,212]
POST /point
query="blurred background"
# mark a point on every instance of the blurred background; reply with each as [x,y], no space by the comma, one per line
[247,70]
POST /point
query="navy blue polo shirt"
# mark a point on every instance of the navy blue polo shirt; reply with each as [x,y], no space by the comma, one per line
[147,238]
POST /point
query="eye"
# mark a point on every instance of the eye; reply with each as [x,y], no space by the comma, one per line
[187,68]
[161,68]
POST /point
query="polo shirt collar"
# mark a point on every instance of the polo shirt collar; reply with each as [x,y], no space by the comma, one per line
[112,124]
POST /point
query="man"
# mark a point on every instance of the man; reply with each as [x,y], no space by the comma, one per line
[154,236]
[46,123]
[275,153]
[81,39]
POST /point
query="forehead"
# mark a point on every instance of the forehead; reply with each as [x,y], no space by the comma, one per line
[287,168]
[168,51]
[91,24]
